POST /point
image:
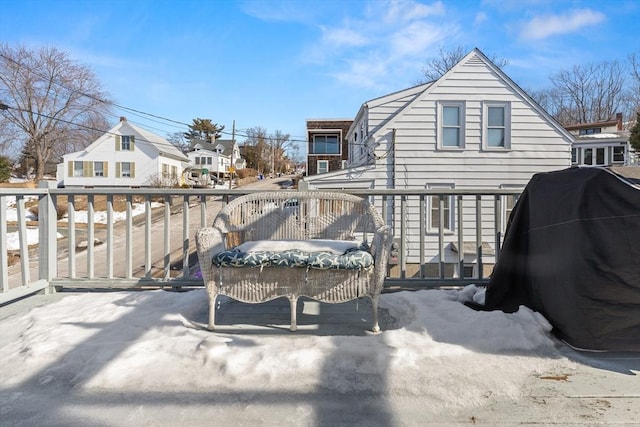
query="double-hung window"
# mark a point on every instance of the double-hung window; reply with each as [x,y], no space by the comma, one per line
[451,121]
[497,129]
[323,166]
[437,204]
[78,168]
[126,143]
[618,154]
[508,203]
[126,170]
[98,169]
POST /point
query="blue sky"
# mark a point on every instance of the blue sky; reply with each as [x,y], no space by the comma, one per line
[277,63]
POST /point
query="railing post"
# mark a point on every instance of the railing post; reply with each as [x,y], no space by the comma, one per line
[4,259]
[47,234]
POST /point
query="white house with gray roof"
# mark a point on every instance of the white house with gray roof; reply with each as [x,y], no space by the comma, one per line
[125,156]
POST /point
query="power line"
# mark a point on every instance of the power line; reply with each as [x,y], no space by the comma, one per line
[128,109]
[142,139]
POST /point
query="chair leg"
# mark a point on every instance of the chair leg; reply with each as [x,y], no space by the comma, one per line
[293,301]
[374,306]
[212,312]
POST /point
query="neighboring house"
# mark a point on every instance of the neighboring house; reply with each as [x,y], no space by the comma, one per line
[328,148]
[126,155]
[215,158]
[473,128]
[603,143]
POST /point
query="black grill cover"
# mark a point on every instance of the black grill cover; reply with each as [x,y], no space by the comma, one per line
[572,252]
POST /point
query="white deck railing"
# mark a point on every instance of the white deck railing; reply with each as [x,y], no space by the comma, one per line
[157,249]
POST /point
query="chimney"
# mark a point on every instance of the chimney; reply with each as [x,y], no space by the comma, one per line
[213,138]
[123,119]
[619,120]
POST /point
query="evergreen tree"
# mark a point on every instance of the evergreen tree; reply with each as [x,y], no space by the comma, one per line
[5,169]
[203,130]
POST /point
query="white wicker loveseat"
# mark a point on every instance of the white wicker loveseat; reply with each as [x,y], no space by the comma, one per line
[331,247]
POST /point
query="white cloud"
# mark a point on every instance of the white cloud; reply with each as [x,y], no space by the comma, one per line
[541,27]
[343,37]
[480,18]
[415,38]
[409,10]
[376,48]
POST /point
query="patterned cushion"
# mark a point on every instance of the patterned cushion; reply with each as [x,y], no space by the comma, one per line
[352,259]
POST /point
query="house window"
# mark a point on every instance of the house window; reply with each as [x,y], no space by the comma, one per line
[451,125]
[174,172]
[590,131]
[325,144]
[98,168]
[594,156]
[433,211]
[126,142]
[197,160]
[323,166]
[209,160]
[618,154]
[78,168]
[574,155]
[125,170]
[496,125]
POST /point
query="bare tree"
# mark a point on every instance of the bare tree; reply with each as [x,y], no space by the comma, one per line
[280,142]
[180,141]
[634,92]
[437,66]
[590,93]
[53,103]
[256,149]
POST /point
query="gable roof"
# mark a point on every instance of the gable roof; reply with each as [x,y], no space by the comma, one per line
[477,56]
[143,136]
[404,97]
[227,145]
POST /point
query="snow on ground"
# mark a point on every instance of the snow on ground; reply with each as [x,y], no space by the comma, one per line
[435,349]
[81,217]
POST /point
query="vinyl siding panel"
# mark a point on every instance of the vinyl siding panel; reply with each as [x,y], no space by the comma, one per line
[414,161]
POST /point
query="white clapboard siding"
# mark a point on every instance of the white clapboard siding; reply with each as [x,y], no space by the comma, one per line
[403,135]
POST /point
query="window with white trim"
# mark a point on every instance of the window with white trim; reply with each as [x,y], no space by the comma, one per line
[323,166]
[451,120]
[325,144]
[617,154]
[125,142]
[594,156]
[433,210]
[78,168]
[508,203]
[98,168]
[496,125]
[574,155]
[125,169]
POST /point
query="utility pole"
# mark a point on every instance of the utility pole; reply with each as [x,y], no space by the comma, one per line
[233,149]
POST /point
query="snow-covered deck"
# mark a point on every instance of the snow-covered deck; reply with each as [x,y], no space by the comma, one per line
[140,358]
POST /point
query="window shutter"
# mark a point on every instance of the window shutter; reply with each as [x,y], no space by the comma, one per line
[117,169]
[87,168]
[118,143]
[133,142]
[70,162]
[133,170]
[105,169]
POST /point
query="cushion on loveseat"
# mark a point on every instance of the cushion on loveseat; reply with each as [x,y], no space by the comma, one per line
[356,257]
